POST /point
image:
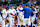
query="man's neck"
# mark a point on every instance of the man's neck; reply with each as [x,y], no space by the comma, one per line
[6,10]
[26,6]
[33,7]
[11,8]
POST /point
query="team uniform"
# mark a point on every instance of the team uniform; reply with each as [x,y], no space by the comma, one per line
[36,14]
[11,19]
[20,15]
[33,17]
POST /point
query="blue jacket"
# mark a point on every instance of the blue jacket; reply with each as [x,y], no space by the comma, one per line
[27,12]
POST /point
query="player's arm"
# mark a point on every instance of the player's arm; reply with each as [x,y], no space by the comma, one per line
[18,16]
[38,10]
[14,14]
[2,14]
[22,10]
[32,13]
[7,16]
[33,10]
[17,13]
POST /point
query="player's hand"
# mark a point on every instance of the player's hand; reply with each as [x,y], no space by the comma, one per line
[18,15]
[18,7]
[3,18]
[14,17]
[30,16]
[19,18]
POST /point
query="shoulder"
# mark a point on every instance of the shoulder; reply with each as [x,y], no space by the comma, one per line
[4,10]
[29,8]
[9,9]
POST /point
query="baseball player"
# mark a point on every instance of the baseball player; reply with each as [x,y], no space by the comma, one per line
[4,15]
[36,12]
[33,14]
[1,18]
[12,15]
[27,16]
[20,15]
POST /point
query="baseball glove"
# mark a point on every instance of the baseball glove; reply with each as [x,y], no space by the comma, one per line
[7,21]
[21,19]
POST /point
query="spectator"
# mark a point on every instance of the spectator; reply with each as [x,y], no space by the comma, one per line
[3,1]
[4,6]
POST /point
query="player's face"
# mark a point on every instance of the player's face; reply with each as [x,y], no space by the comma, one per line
[20,5]
[7,9]
[36,8]
[32,6]
[11,7]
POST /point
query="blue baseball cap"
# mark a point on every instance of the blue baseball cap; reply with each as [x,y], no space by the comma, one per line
[31,4]
[11,5]
[24,4]
[21,3]
[27,4]
[7,7]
